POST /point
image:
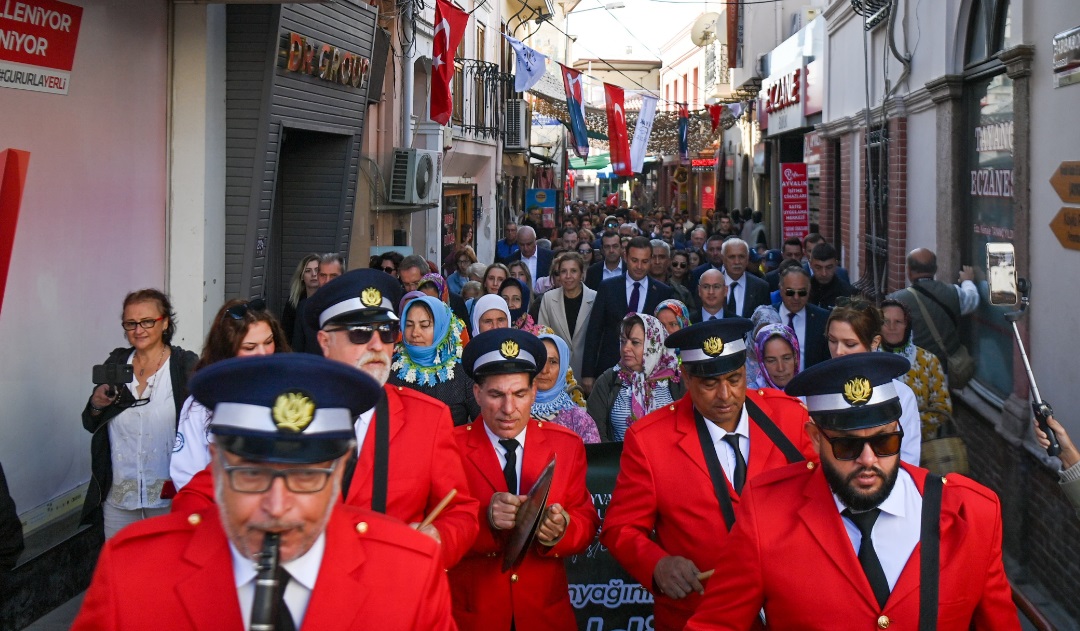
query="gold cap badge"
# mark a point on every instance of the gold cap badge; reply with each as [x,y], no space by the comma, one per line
[509,349]
[713,346]
[857,391]
[293,411]
[371,297]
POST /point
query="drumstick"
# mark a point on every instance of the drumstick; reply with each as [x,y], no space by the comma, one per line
[705,575]
[438,509]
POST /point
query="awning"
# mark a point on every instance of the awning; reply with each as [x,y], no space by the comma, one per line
[598,161]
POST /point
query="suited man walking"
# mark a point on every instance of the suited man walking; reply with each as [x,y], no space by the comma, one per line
[633,293]
[612,263]
[745,291]
[537,259]
[807,320]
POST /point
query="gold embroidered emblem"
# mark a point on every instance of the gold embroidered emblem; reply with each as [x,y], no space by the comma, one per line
[713,346]
[293,411]
[857,391]
[371,297]
[509,349]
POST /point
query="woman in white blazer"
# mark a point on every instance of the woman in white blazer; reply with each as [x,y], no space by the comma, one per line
[566,308]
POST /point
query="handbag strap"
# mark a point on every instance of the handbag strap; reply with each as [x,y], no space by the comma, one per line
[949,312]
[929,321]
[930,564]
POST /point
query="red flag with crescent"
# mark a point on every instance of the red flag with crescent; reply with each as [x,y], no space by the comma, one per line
[450,23]
[618,139]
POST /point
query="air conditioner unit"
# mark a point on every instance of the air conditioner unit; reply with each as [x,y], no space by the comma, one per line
[518,125]
[416,177]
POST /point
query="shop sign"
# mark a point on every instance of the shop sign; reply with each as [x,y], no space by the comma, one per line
[1067,57]
[37,44]
[703,165]
[783,96]
[812,148]
[542,199]
[1066,227]
[323,61]
[708,197]
[1066,181]
[794,199]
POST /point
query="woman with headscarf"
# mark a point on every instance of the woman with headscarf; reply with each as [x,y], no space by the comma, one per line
[673,314]
[428,358]
[763,315]
[926,377]
[553,401]
[645,379]
[490,312]
[516,295]
[777,349]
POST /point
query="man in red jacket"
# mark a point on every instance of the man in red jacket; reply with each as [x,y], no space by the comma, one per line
[505,453]
[406,460]
[683,468]
[849,544]
[287,416]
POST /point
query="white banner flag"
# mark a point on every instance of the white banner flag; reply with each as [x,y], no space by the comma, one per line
[642,131]
[528,67]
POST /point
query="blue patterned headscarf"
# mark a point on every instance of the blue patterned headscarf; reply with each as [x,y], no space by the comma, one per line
[550,402]
[429,365]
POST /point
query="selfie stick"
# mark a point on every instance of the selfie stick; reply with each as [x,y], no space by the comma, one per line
[1040,408]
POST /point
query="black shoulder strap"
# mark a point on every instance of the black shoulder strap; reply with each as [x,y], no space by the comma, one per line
[716,472]
[381,475]
[758,416]
[949,312]
[930,565]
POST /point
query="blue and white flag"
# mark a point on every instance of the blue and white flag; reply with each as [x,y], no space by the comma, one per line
[642,131]
[528,67]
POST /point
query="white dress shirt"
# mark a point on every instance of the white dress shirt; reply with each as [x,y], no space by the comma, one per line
[800,330]
[611,273]
[303,571]
[897,529]
[530,262]
[363,422]
[501,453]
[641,293]
[724,451]
[740,292]
[706,316]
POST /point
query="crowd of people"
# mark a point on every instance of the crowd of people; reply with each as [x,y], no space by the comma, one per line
[715,361]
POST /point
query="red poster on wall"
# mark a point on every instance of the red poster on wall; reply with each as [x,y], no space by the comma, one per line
[13,165]
[708,197]
[794,202]
[37,44]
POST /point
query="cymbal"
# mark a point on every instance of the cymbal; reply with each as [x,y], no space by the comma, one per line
[529,517]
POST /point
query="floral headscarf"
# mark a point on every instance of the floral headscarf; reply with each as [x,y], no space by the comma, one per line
[486,303]
[763,315]
[430,365]
[766,333]
[658,363]
[682,314]
[416,293]
[440,285]
[552,401]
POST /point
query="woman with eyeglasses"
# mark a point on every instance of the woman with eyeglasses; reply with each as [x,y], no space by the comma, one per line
[428,358]
[645,379]
[134,424]
[464,258]
[388,262]
[241,328]
[566,309]
[586,252]
[305,281]
[854,326]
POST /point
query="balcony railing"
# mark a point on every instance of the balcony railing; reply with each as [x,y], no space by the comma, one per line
[480,90]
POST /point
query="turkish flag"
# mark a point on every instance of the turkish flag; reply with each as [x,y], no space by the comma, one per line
[618,140]
[450,23]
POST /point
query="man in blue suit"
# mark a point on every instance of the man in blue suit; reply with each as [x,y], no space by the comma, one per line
[634,292]
[537,259]
[807,320]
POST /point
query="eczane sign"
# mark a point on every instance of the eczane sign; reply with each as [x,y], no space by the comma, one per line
[784,95]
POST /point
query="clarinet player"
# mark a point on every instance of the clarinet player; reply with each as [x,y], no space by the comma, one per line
[282,431]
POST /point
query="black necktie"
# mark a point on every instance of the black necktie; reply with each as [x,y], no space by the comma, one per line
[632,306]
[729,310]
[791,321]
[510,470]
[740,463]
[867,555]
[284,620]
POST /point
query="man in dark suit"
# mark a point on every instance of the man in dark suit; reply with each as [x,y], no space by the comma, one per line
[633,293]
[792,250]
[714,251]
[807,320]
[712,293]
[745,292]
[611,266]
[537,259]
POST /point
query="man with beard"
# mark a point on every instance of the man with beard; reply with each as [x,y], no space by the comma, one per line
[842,545]
[286,416]
[406,459]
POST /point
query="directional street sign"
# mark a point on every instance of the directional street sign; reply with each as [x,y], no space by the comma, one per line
[1066,181]
[1066,227]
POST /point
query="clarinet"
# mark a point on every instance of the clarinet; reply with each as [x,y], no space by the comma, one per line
[264,609]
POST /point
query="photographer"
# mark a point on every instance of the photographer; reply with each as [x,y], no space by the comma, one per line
[134,424]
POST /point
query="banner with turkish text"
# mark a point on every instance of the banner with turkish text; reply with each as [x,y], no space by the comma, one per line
[642,131]
[575,104]
[794,202]
[618,140]
[450,23]
[529,65]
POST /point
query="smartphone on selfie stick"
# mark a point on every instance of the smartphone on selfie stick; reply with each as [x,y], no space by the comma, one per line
[113,375]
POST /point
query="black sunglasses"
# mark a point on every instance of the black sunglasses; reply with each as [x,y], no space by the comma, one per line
[851,447]
[239,311]
[389,270]
[792,292]
[678,265]
[584,251]
[362,334]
